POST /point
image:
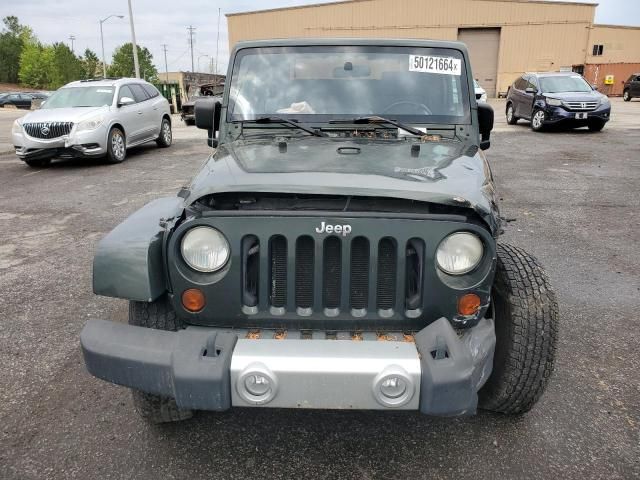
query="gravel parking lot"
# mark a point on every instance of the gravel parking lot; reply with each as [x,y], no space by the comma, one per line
[574,198]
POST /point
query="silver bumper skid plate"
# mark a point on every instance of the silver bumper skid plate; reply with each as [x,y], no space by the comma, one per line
[439,373]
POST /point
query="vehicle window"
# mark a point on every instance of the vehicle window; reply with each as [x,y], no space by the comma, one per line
[69,97]
[561,83]
[151,90]
[139,94]
[323,83]
[125,91]
[638,78]
[520,84]
[13,97]
[533,83]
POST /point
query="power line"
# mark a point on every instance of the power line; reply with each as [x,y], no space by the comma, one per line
[191,30]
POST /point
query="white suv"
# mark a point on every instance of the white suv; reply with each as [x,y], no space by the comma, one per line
[93,118]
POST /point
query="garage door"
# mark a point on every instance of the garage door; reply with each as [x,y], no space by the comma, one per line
[483,44]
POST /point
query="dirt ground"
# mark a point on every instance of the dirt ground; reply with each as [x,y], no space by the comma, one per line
[574,198]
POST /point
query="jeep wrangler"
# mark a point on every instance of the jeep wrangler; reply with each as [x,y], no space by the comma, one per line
[338,250]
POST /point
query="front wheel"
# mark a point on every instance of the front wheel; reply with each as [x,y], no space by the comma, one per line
[165,138]
[116,146]
[161,316]
[537,121]
[511,115]
[525,312]
[626,96]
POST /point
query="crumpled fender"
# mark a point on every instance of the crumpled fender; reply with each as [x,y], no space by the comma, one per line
[129,261]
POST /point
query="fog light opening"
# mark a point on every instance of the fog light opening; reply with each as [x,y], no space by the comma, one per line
[193,300]
[257,385]
[393,387]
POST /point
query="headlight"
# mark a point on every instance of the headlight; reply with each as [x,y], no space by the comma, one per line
[90,124]
[459,253]
[554,102]
[17,127]
[205,249]
[605,102]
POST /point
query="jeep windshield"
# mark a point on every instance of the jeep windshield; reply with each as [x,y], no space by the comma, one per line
[319,84]
[71,97]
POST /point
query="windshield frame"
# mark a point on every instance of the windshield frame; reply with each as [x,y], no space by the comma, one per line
[63,90]
[408,49]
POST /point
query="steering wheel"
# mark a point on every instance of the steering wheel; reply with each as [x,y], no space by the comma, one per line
[422,106]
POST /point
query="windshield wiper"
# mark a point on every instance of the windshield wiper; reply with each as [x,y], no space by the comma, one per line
[376,119]
[285,121]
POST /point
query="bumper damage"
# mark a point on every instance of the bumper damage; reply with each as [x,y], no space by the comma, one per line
[437,372]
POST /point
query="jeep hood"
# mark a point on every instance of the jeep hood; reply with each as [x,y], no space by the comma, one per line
[449,172]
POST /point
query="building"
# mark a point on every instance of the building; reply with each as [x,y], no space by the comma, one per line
[505,37]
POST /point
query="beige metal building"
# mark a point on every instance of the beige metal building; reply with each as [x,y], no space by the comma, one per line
[505,37]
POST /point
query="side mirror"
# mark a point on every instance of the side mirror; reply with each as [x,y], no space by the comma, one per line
[595,87]
[126,101]
[485,124]
[208,112]
[530,90]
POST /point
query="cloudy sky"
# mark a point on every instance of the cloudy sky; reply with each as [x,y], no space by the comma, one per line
[165,22]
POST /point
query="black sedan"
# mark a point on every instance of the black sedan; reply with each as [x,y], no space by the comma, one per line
[565,99]
[18,100]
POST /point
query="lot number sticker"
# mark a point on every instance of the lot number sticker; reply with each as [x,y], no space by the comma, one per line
[441,65]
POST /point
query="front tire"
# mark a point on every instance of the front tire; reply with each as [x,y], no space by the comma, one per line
[40,163]
[537,120]
[159,315]
[166,136]
[525,312]
[116,146]
[626,96]
[511,115]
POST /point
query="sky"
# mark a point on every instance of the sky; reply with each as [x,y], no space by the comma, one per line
[160,22]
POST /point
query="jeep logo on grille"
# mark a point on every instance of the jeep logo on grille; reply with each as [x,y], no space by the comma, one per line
[45,130]
[343,230]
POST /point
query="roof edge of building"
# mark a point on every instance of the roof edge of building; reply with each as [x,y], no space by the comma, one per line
[609,25]
[341,2]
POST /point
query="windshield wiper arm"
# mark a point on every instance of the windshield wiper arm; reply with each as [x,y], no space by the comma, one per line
[286,121]
[376,119]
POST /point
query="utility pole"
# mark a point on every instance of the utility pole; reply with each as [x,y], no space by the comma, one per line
[72,38]
[166,68]
[133,41]
[191,29]
[217,44]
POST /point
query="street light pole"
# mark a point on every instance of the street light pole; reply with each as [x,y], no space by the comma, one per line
[104,63]
[133,41]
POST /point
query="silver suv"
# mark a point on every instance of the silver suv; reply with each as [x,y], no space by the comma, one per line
[93,118]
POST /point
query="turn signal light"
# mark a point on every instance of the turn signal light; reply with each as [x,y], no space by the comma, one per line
[193,300]
[469,304]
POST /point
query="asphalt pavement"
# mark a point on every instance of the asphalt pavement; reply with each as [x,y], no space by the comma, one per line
[573,201]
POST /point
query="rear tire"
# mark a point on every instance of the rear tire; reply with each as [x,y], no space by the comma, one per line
[526,318]
[166,137]
[511,115]
[40,163]
[116,146]
[159,315]
[626,96]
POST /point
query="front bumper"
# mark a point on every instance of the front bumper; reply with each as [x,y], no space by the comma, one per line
[214,369]
[84,144]
[560,115]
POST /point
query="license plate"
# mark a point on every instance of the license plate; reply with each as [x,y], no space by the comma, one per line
[581,116]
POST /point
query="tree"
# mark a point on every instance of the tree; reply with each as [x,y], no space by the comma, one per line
[67,67]
[91,65]
[122,64]
[13,38]
[36,65]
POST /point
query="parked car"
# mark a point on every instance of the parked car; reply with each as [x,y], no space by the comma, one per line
[93,119]
[631,87]
[207,90]
[563,98]
[18,100]
[329,254]
[481,94]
